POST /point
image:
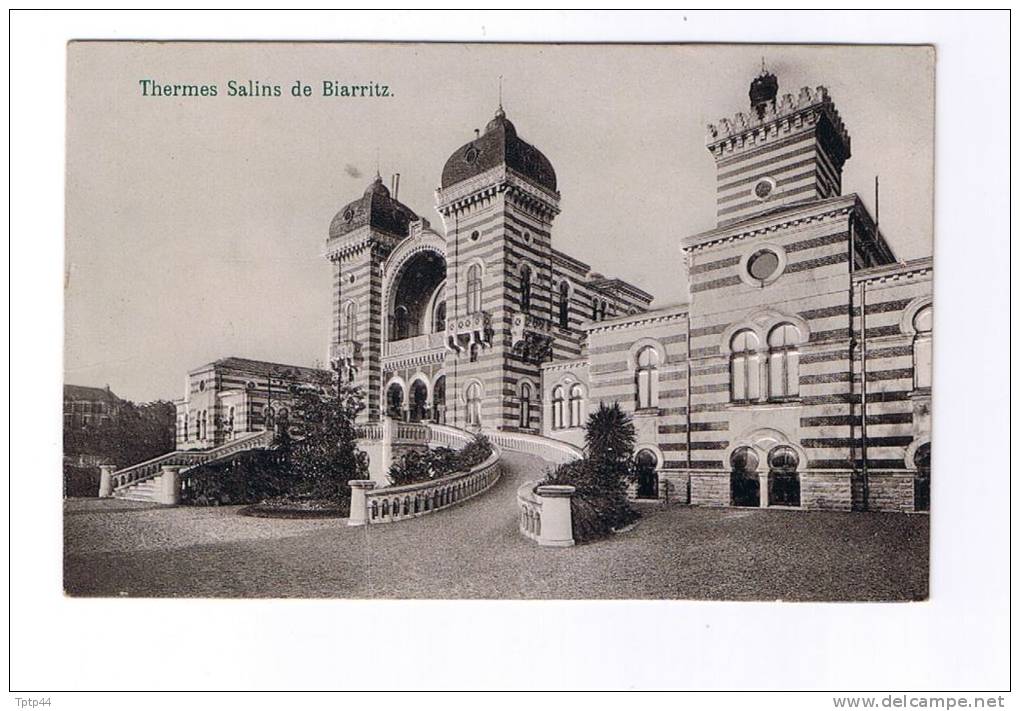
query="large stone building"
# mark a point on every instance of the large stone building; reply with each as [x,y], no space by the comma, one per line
[751,393]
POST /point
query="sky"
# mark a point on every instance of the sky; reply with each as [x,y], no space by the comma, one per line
[195,226]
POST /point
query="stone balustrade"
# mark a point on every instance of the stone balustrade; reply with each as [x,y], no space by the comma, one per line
[545,515]
[371,505]
[545,448]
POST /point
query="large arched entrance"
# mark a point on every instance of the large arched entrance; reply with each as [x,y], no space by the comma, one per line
[417,300]
[744,486]
[922,479]
[647,476]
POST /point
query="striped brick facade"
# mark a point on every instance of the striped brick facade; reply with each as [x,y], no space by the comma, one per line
[792,152]
[762,367]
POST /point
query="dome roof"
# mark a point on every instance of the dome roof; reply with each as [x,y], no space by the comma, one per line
[498,145]
[374,208]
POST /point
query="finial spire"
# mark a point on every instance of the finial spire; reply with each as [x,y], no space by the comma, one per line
[378,174]
[500,92]
[764,70]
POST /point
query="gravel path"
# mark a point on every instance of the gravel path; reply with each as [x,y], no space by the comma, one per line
[474,551]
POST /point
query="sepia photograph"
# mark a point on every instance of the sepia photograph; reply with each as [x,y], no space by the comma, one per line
[381,356]
[504,321]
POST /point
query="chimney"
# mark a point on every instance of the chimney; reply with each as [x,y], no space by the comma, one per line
[476,133]
[396,185]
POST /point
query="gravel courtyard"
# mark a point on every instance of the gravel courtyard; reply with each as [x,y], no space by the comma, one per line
[120,548]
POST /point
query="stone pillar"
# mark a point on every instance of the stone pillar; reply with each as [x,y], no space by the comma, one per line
[763,489]
[359,501]
[170,485]
[106,480]
[557,523]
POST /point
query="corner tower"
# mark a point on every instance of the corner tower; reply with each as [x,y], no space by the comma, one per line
[362,234]
[498,199]
[785,150]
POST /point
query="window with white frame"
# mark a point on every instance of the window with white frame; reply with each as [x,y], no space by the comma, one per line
[745,369]
[784,377]
[474,289]
[576,406]
[557,408]
[351,321]
[474,404]
[525,414]
[647,378]
[525,287]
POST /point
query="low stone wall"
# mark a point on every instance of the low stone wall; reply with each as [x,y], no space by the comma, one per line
[710,488]
[371,504]
[826,491]
[545,515]
[891,491]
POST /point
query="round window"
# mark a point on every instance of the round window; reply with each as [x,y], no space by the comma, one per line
[762,265]
[475,236]
[349,214]
[471,155]
[763,188]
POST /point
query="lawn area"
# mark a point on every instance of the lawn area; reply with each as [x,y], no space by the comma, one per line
[117,548]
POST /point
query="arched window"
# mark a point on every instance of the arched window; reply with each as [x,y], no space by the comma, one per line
[395,401]
[576,406]
[525,287]
[557,408]
[922,347]
[401,323]
[473,353]
[564,305]
[784,378]
[648,478]
[439,317]
[230,420]
[602,311]
[474,289]
[744,486]
[745,373]
[525,415]
[594,309]
[351,321]
[186,426]
[474,404]
[419,401]
[784,483]
[647,378]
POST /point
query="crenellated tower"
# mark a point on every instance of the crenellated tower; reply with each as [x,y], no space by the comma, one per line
[787,149]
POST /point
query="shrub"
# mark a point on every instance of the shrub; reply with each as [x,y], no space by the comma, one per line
[600,503]
[246,478]
[417,466]
[81,481]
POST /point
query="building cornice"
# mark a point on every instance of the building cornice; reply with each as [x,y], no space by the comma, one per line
[494,181]
[895,272]
[663,315]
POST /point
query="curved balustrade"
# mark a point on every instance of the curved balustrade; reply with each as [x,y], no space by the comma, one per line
[551,450]
[395,503]
[530,508]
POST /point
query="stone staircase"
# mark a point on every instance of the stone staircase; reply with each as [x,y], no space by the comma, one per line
[144,481]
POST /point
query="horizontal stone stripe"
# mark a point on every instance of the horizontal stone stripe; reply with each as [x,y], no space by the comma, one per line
[824,357]
[834,334]
[755,205]
[897,374]
[710,464]
[887,306]
[834,377]
[747,180]
[709,330]
[784,147]
[710,426]
[711,388]
[712,266]
[817,262]
[784,177]
[843,442]
[715,283]
[704,352]
[892,418]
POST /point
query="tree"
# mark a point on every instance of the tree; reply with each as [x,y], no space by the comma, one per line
[325,456]
[600,502]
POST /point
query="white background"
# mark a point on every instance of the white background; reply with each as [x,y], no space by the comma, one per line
[957,640]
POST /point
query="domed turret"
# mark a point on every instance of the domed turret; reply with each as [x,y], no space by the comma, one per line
[499,145]
[764,89]
[374,208]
